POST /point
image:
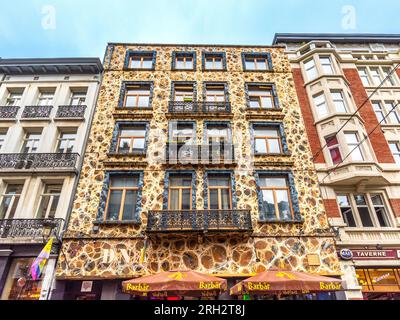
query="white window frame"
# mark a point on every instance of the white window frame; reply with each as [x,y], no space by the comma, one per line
[342,100]
[395,153]
[13,199]
[69,140]
[311,75]
[47,97]
[80,96]
[50,204]
[319,105]
[356,146]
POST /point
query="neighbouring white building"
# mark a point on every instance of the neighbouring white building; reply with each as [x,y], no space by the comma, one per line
[46,110]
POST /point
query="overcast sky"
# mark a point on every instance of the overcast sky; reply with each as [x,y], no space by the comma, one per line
[67,28]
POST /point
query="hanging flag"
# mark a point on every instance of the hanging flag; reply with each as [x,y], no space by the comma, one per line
[40,262]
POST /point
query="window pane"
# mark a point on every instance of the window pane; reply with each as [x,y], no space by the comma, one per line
[213,201]
[147,62]
[144,101]
[269,182]
[130,205]
[135,62]
[186,199]
[125,182]
[225,198]
[282,198]
[183,181]
[261,146]
[365,217]
[174,199]
[250,65]
[267,102]
[347,212]
[268,204]
[114,205]
[274,146]
[124,145]
[219,181]
[261,64]
[138,143]
[255,102]
[130,101]
[44,204]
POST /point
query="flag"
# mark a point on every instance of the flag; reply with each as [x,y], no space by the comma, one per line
[40,262]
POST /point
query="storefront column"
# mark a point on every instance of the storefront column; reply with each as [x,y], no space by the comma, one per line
[353,290]
[58,290]
[4,259]
[48,279]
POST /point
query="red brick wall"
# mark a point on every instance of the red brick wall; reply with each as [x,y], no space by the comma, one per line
[377,138]
[307,115]
[395,203]
[332,208]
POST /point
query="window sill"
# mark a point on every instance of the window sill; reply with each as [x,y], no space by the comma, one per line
[116,223]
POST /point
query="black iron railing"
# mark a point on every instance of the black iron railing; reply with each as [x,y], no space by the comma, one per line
[206,154]
[29,228]
[199,220]
[32,112]
[38,160]
[8,112]
[71,111]
[199,107]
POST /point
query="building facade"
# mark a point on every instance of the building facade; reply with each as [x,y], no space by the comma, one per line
[46,108]
[197,159]
[349,87]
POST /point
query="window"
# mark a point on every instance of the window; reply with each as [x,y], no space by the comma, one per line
[78,98]
[311,70]
[46,98]
[376,76]
[122,198]
[379,112]
[364,76]
[363,210]
[395,148]
[31,142]
[276,200]
[183,93]
[346,210]
[141,61]
[20,268]
[256,62]
[261,97]
[184,61]
[390,79]
[66,141]
[267,140]
[3,135]
[215,93]
[182,133]
[391,110]
[354,147]
[180,192]
[326,64]
[334,149]
[338,101]
[14,98]
[219,192]
[214,61]
[218,134]
[131,139]
[9,201]
[49,201]
[320,105]
[137,96]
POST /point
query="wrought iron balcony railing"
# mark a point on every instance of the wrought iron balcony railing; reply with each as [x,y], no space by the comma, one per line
[199,220]
[32,112]
[29,228]
[21,161]
[71,111]
[199,107]
[204,154]
[8,112]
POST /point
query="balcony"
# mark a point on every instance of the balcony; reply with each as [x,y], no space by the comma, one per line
[8,112]
[36,112]
[215,154]
[199,221]
[29,228]
[34,161]
[199,108]
[71,112]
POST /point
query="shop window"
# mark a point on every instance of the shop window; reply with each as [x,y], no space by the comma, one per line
[379,280]
[364,210]
[20,269]
[9,200]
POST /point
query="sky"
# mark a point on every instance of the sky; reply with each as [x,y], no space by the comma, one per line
[82,28]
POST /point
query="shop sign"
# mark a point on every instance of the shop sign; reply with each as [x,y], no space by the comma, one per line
[376,254]
[87,286]
[346,254]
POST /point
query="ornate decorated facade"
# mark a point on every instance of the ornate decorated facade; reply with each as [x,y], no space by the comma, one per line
[198,158]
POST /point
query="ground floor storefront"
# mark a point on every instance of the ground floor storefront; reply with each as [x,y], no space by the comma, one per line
[371,274]
[15,280]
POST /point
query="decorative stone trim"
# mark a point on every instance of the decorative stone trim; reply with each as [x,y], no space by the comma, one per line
[176,54]
[213,54]
[233,185]
[266,55]
[126,84]
[293,196]
[132,53]
[168,174]
[104,195]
